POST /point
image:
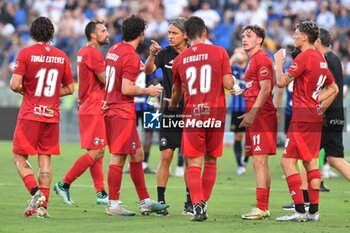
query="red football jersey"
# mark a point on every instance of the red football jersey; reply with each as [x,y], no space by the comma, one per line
[259,68]
[44,69]
[121,62]
[91,90]
[311,74]
[200,69]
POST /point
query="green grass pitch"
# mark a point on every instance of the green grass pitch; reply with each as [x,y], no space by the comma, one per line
[232,196]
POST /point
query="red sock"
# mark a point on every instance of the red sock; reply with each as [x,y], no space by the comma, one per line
[78,168]
[30,182]
[194,184]
[46,192]
[262,198]
[294,184]
[96,172]
[115,175]
[208,179]
[138,177]
[314,194]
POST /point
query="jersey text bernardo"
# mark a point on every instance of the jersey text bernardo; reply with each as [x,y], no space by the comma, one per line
[194,58]
[47,59]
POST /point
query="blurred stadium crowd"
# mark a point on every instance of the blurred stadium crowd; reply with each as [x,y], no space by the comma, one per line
[224,19]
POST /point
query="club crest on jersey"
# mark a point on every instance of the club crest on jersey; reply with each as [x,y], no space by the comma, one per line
[97,141]
[133,145]
[194,48]
[293,66]
[264,71]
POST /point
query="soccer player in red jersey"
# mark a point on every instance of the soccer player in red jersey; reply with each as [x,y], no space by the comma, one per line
[91,78]
[42,74]
[201,72]
[260,118]
[122,69]
[314,89]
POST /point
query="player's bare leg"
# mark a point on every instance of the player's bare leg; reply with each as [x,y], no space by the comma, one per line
[26,173]
[44,178]
[341,165]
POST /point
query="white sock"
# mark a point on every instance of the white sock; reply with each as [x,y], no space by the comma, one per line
[145,201]
[112,204]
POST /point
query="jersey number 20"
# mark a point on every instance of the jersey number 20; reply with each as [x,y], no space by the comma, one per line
[204,79]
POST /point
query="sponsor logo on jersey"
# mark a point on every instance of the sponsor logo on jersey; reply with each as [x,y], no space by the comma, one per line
[16,64]
[293,66]
[133,145]
[264,71]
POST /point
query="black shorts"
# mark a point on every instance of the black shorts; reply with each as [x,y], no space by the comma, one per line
[170,137]
[235,122]
[332,142]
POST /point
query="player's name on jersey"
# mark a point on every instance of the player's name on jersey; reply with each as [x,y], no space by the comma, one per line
[47,59]
[112,56]
[194,58]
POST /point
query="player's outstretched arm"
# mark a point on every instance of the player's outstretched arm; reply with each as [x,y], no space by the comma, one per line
[16,83]
[150,67]
[130,89]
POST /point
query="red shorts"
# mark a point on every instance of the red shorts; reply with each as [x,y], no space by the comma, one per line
[92,131]
[35,137]
[303,141]
[122,136]
[196,143]
[261,137]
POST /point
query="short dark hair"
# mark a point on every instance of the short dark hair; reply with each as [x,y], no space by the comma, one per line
[42,30]
[311,29]
[133,27]
[194,27]
[91,27]
[259,31]
[325,37]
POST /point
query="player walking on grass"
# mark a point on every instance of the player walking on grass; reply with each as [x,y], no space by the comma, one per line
[260,118]
[91,78]
[201,72]
[42,75]
[169,139]
[122,69]
[314,90]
